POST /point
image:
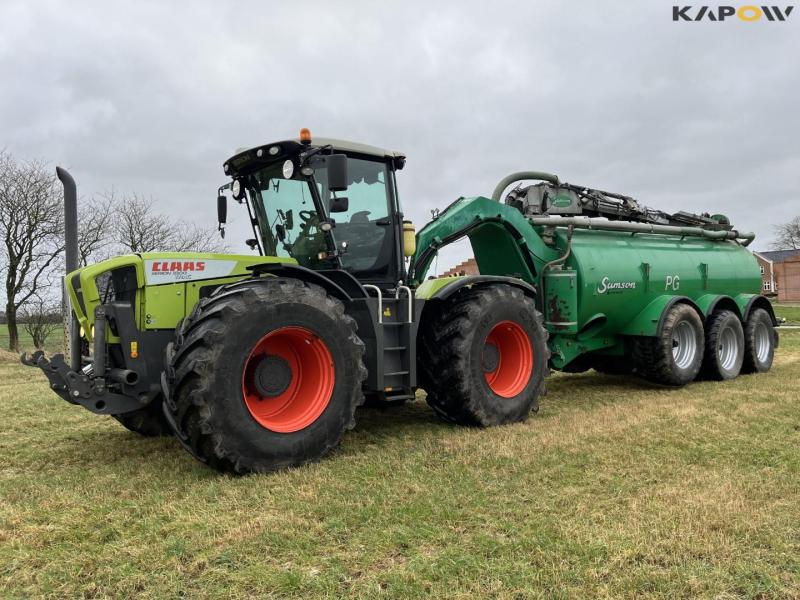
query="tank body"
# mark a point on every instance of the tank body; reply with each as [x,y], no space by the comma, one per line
[619,275]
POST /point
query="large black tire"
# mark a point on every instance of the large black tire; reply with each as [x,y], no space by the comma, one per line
[148,421]
[760,341]
[724,350]
[675,355]
[216,362]
[458,356]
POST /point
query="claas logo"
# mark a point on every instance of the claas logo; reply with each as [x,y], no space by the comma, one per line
[746,13]
[177,266]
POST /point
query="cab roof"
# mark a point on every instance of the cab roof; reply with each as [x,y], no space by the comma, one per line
[245,156]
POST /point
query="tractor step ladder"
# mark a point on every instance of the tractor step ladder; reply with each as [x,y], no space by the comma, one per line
[395,325]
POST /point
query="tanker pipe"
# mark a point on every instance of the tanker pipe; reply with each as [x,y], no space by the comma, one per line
[627,226]
[71,258]
[521,176]
[556,261]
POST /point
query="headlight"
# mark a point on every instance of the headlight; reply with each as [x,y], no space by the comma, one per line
[288,169]
[236,188]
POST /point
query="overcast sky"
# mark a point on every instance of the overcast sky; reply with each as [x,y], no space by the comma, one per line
[147,97]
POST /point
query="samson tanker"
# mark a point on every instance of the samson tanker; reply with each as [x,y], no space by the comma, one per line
[622,287]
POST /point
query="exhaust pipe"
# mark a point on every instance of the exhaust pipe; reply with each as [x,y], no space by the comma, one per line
[125,376]
[71,258]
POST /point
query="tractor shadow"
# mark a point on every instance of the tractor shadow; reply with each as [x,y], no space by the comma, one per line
[115,449]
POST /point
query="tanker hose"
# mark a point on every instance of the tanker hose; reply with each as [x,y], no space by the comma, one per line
[520,176]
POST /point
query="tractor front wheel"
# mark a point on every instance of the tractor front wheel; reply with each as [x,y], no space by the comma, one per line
[264,374]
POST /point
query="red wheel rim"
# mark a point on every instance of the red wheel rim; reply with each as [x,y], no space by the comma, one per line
[514,359]
[308,381]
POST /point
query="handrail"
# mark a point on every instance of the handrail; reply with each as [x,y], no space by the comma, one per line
[369,286]
[401,288]
[633,227]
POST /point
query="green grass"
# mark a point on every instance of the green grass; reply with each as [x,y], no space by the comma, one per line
[615,489]
[790,312]
[54,342]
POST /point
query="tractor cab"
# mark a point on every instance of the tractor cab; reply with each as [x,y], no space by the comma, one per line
[327,204]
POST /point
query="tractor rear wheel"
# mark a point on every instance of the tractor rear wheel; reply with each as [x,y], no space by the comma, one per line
[148,421]
[760,341]
[264,374]
[674,356]
[724,346]
[483,356]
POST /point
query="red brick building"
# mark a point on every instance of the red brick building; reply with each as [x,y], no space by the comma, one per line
[468,267]
[780,274]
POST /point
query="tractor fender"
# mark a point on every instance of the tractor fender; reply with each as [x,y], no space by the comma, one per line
[748,302]
[304,274]
[649,321]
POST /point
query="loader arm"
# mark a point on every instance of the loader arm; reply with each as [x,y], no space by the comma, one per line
[502,240]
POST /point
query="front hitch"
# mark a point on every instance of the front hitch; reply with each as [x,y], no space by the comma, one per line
[80,387]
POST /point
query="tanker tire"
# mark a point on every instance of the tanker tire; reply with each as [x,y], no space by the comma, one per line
[759,327]
[148,421]
[203,380]
[451,345]
[654,358]
[724,335]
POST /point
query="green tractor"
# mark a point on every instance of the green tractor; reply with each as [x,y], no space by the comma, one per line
[258,363]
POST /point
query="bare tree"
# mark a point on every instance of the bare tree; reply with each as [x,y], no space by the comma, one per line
[787,235]
[31,226]
[137,227]
[95,223]
[40,319]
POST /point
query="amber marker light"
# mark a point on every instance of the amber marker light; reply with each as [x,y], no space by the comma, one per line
[305,135]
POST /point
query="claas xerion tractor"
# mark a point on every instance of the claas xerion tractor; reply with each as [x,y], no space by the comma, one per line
[258,362]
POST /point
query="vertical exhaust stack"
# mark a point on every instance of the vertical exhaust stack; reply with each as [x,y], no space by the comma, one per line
[71,258]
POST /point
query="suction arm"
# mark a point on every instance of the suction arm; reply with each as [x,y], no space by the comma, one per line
[521,176]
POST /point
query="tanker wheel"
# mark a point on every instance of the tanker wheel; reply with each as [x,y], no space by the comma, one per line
[674,356]
[264,374]
[148,421]
[724,351]
[483,356]
[760,341]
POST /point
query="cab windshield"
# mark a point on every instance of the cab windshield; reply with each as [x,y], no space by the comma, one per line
[291,224]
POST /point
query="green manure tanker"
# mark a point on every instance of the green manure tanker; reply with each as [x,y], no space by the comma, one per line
[622,288]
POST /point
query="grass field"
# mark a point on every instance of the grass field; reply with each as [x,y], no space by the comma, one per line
[614,489]
[790,312]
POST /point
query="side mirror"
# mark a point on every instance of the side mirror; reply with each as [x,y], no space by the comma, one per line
[289,219]
[337,172]
[339,205]
[222,209]
[280,232]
